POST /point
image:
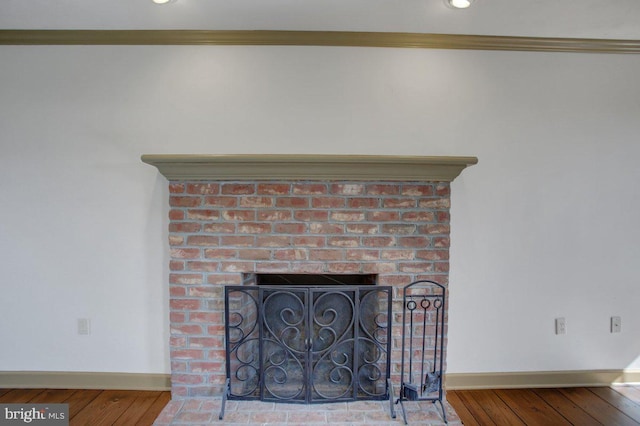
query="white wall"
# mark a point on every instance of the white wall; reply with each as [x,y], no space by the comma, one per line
[544,226]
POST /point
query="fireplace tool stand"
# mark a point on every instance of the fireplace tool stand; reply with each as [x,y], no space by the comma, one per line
[422,343]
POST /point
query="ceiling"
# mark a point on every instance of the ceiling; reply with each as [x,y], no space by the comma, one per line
[603,19]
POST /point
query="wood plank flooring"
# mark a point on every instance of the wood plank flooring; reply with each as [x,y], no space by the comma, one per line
[609,406]
[96,407]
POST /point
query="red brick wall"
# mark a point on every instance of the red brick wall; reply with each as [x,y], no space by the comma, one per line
[220,231]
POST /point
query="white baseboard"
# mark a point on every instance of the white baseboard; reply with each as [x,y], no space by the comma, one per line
[540,379]
[84,380]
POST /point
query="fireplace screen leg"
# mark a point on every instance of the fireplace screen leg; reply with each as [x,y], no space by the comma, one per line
[225,393]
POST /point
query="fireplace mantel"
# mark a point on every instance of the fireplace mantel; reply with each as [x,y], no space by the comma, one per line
[309,167]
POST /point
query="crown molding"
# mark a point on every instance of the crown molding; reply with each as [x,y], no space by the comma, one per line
[315,38]
[309,167]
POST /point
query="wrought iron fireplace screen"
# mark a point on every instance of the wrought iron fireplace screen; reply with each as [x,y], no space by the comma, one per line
[308,344]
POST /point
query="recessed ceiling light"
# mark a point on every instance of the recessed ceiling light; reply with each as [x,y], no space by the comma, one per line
[458,4]
[162,1]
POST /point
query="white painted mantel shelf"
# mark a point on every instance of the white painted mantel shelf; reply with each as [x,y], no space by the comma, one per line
[309,167]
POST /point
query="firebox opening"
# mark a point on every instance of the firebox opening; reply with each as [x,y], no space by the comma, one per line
[316,280]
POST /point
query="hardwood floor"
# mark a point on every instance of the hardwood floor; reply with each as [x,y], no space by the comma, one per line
[96,407]
[609,406]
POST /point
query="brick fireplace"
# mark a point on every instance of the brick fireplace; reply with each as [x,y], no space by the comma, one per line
[232,217]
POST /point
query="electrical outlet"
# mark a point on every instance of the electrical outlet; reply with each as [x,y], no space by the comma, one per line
[561,326]
[84,326]
[616,324]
